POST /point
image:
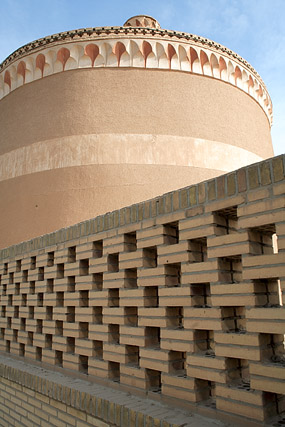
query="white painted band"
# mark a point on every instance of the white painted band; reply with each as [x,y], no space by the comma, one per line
[120,149]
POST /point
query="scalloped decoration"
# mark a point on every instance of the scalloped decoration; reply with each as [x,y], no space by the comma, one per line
[137,52]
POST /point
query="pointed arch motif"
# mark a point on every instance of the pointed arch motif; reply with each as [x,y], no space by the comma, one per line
[119,50]
[40,63]
[21,70]
[63,55]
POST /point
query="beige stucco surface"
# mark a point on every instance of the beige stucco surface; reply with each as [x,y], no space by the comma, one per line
[132,101]
[84,142]
[39,203]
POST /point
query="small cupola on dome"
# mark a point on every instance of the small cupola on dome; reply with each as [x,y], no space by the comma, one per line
[142,21]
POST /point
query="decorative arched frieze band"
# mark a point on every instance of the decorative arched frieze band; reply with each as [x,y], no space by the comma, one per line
[132,52]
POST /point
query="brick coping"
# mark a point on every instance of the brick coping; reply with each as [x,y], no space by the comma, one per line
[252,177]
[117,407]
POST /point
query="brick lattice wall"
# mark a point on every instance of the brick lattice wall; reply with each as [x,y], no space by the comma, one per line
[179,296]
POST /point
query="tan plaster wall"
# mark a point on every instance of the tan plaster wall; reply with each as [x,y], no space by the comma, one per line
[124,102]
[132,101]
[39,203]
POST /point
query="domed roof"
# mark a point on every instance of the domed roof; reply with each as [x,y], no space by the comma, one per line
[142,21]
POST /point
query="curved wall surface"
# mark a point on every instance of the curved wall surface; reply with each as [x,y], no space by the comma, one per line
[88,126]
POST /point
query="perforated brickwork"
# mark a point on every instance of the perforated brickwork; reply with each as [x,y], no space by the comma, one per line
[184,301]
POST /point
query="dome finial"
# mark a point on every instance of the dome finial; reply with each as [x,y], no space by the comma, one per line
[142,21]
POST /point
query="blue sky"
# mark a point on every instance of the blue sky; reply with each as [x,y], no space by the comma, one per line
[254,29]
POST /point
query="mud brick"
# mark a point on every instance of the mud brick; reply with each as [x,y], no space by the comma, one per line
[267,377]
[97,367]
[139,258]
[12,266]
[261,206]
[31,325]
[237,294]
[260,220]
[114,280]
[98,298]
[270,370]
[71,299]
[155,359]
[179,387]
[98,332]
[132,376]
[84,251]
[83,347]
[258,195]
[17,276]
[206,368]
[9,311]
[230,245]
[14,348]
[39,340]
[70,361]
[134,298]
[9,334]
[59,343]
[173,253]
[32,300]
[83,314]
[225,204]
[72,268]
[152,316]
[3,322]
[202,318]
[30,352]
[177,340]
[15,323]
[40,286]
[48,356]
[205,361]
[24,288]
[198,227]
[113,315]
[17,299]
[114,352]
[200,272]
[71,330]
[279,189]
[151,276]
[61,256]
[174,296]
[60,285]
[40,313]
[239,394]
[238,407]
[121,243]
[84,282]
[154,236]
[49,299]
[42,259]
[59,313]
[238,345]
[266,320]
[4,300]
[24,312]
[130,335]
[33,275]
[49,327]
[98,265]
[264,266]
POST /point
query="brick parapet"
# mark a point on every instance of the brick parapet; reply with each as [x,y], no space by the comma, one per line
[180,296]
[224,187]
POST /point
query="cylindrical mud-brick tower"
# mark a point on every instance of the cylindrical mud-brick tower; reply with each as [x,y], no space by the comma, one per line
[95,119]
